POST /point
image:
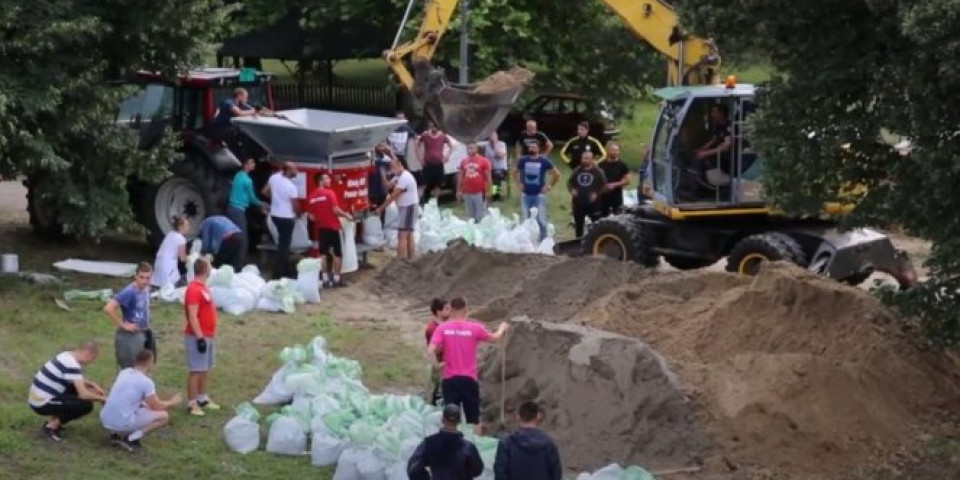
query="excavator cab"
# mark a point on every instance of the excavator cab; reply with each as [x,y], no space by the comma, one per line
[468,113]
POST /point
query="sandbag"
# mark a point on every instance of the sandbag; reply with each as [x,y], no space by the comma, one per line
[286,437]
[242,433]
[373,231]
[308,279]
[325,450]
[391,217]
[397,471]
[370,467]
[347,466]
[241,302]
[276,392]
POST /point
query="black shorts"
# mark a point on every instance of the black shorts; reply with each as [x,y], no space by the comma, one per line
[465,392]
[329,241]
[432,176]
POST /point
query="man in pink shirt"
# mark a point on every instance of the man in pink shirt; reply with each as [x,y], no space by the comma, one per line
[458,339]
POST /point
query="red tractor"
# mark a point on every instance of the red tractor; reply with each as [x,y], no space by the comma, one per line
[200,182]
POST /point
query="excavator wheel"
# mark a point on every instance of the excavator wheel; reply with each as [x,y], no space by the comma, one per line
[750,253]
[620,237]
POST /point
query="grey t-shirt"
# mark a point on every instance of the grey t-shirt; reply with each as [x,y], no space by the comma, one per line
[129,391]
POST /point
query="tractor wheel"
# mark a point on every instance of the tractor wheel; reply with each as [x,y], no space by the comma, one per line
[196,190]
[750,253]
[686,263]
[43,216]
[620,237]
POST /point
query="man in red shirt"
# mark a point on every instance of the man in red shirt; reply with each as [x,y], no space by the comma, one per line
[324,212]
[433,156]
[199,333]
[472,183]
[440,311]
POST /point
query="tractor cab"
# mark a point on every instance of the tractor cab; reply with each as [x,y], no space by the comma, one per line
[188,102]
[700,153]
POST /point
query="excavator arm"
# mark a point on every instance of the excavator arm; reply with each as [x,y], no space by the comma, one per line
[472,112]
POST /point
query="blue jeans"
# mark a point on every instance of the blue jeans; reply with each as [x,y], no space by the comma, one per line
[540,203]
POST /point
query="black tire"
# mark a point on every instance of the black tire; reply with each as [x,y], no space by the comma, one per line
[620,237]
[858,278]
[749,253]
[43,217]
[687,263]
[196,190]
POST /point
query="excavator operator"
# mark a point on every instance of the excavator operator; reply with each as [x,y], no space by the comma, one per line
[719,146]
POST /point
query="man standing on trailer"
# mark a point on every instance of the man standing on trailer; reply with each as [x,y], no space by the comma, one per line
[323,211]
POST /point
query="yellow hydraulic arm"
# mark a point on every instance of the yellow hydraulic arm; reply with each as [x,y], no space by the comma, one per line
[693,60]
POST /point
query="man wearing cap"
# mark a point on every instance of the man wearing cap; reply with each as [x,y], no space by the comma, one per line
[446,453]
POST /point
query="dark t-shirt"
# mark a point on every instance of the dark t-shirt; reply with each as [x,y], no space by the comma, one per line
[225,112]
[586,181]
[719,133]
[533,171]
[614,171]
[526,140]
[433,148]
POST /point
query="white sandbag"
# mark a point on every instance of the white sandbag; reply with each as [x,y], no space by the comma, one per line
[348,240]
[347,466]
[325,450]
[397,471]
[170,294]
[391,217]
[279,295]
[546,246]
[242,302]
[308,279]
[249,281]
[242,433]
[373,231]
[222,277]
[370,467]
[299,240]
[610,472]
[286,437]
[392,236]
[324,404]
[276,392]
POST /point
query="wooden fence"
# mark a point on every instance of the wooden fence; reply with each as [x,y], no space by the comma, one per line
[370,99]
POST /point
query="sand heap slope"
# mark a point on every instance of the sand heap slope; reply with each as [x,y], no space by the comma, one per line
[789,372]
[610,398]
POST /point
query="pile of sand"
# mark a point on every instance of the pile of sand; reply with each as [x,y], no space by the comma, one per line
[610,398]
[790,373]
[500,81]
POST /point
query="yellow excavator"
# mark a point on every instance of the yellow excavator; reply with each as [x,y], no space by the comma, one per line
[472,112]
[695,214]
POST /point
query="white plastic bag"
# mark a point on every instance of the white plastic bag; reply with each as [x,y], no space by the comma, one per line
[391,217]
[276,392]
[308,279]
[370,467]
[242,433]
[286,437]
[241,302]
[397,471]
[373,231]
[347,466]
[325,450]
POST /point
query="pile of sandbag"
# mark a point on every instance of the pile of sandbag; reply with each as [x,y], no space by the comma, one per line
[237,293]
[327,412]
[436,227]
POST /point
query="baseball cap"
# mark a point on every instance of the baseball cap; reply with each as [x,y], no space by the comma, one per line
[451,413]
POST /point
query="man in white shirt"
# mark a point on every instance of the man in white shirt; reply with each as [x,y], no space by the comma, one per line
[405,194]
[132,409]
[61,393]
[284,208]
[496,150]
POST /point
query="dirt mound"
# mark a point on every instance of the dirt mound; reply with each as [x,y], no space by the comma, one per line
[792,374]
[609,397]
[504,80]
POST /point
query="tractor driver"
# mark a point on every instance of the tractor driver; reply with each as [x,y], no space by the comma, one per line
[719,146]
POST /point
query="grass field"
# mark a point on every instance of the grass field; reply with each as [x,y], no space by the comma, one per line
[32,329]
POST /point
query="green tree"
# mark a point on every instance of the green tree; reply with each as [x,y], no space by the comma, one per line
[851,77]
[573,45]
[58,102]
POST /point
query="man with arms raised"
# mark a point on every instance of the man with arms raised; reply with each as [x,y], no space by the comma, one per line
[458,339]
[59,391]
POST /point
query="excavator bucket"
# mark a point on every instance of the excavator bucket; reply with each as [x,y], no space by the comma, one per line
[468,113]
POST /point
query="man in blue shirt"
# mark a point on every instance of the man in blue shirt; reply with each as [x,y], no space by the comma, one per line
[242,197]
[532,171]
[228,108]
[221,238]
[133,318]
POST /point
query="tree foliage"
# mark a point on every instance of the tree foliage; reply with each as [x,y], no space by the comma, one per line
[579,46]
[850,77]
[58,104]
